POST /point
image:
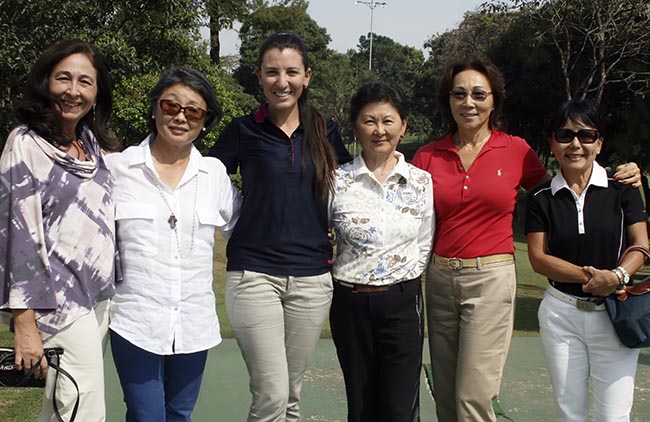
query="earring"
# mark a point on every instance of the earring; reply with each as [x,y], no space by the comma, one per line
[203,130]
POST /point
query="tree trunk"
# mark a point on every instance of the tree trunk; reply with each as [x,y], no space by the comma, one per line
[215,43]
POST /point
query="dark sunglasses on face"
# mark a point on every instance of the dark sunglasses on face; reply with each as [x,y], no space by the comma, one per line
[172,108]
[461,94]
[585,136]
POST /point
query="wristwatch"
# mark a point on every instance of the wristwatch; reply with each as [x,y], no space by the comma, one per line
[626,275]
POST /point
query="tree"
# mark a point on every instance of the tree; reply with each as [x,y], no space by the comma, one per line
[598,42]
[138,39]
[267,20]
[222,14]
[393,63]
[476,36]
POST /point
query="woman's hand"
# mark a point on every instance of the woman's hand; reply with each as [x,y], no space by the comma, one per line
[27,343]
[629,174]
[601,282]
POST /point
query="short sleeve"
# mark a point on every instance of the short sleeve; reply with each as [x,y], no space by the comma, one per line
[632,205]
[226,147]
[342,154]
[533,169]
[536,218]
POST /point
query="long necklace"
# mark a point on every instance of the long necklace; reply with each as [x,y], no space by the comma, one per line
[172,220]
[479,144]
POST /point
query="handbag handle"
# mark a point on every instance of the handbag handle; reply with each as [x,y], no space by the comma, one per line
[639,248]
[638,289]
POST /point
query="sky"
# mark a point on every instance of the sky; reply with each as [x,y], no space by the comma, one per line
[408,22]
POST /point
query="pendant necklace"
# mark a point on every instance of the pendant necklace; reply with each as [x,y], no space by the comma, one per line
[173,221]
[477,145]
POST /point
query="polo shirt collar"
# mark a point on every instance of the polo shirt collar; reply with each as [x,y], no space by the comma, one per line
[142,157]
[598,178]
[447,143]
[359,166]
[262,113]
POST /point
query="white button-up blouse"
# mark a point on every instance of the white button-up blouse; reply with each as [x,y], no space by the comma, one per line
[384,231]
[165,303]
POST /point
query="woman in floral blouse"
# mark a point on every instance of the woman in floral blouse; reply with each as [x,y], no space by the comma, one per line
[382,215]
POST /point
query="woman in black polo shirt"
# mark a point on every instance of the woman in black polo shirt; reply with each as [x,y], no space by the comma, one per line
[577,225]
[278,284]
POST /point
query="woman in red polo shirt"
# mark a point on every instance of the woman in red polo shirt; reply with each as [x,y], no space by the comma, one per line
[477,171]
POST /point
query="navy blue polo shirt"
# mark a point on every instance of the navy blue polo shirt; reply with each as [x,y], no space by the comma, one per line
[282,229]
[596,239]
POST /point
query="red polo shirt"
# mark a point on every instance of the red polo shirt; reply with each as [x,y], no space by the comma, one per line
[474,206]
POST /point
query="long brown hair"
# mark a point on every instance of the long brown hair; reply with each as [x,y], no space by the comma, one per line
[315,140]
[37,109]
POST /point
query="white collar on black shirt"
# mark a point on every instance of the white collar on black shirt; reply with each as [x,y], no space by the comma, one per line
[598,178]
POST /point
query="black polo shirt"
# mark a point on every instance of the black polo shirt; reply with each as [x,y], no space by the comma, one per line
[282,229]
[596,238]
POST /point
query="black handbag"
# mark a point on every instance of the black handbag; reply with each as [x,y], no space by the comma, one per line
[11,377]
[629,309]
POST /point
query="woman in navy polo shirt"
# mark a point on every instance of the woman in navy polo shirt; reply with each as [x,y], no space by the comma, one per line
[578,224]
[278,283]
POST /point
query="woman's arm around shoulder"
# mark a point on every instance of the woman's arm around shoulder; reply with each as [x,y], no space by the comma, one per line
[334,136]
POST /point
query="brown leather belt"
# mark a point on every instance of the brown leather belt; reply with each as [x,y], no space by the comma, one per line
[460,263]
[366,288]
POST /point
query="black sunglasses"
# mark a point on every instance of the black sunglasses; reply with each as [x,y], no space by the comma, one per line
[172,108]
[477,94]
[585,136]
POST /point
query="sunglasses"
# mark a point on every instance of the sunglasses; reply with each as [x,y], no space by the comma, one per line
[172,108]
[477,94]
[585,136]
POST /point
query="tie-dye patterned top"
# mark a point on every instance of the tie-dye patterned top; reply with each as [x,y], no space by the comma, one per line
[57,241]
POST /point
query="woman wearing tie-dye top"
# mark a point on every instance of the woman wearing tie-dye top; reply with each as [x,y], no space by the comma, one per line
[56,225]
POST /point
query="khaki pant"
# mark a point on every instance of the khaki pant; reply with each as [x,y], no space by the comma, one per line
[277,321]
[83,344]
[470,313]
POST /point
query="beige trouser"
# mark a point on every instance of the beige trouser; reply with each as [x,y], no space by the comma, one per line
[277,321]
[83,343]
[470,313]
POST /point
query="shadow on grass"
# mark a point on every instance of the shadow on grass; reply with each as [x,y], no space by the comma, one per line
[528,299]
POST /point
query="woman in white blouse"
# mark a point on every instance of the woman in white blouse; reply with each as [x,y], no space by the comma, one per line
[382,215]
[169,200]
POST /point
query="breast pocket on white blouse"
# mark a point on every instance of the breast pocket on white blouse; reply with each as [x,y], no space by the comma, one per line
[137,232]
[209,220]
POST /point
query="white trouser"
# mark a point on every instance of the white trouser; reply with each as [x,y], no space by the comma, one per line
[83,344]
[578,346]
[277,321]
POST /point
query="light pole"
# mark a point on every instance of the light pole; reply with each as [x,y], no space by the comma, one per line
[372,4]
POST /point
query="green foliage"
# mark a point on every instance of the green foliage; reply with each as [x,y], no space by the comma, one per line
[267,20]
[396,64]
[138,40]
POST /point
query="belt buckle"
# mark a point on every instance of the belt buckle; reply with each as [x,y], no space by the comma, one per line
[455,263]
[585,305]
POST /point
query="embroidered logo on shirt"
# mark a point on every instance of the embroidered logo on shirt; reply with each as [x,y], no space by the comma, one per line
[499,172]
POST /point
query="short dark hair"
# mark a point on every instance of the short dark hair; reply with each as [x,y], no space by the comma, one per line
[497,86]
[578,111]
[194,80]
[37,110]
[378,92]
